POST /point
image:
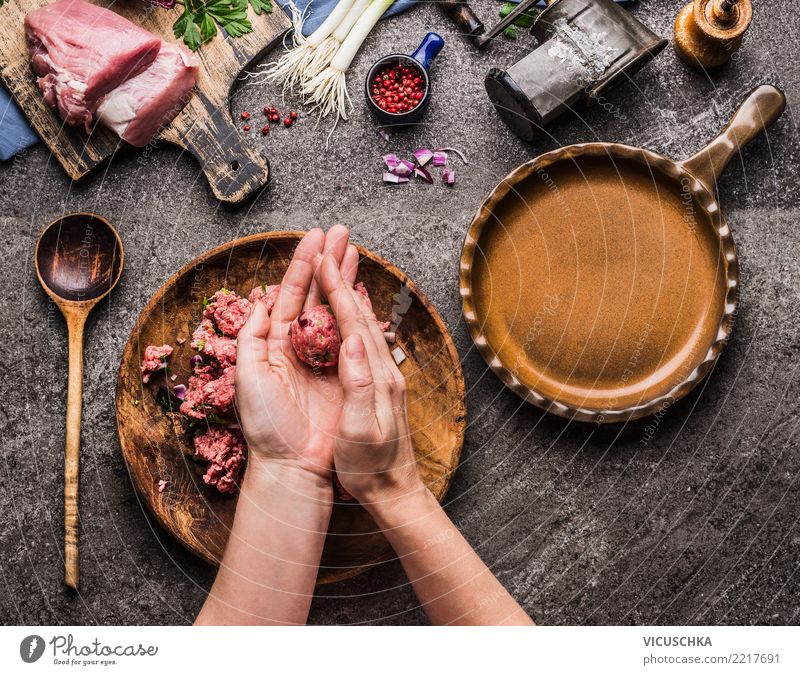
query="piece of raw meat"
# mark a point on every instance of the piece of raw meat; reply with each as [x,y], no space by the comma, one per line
[82,52]
[141,106]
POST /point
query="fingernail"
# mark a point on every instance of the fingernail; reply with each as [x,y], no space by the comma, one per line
[355,347]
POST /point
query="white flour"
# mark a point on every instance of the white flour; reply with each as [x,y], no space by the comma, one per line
[585,56]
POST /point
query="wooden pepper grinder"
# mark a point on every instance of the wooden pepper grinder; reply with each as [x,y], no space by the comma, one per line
[708,32]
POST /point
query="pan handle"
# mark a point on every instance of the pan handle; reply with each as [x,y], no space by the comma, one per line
[760,109]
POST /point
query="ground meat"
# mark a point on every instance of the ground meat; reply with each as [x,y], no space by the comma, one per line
[195,400]
[226,452]
[209,392]
[229,312]
[315,336]
[207,342]
[267,294]
[154,360]
[219,393]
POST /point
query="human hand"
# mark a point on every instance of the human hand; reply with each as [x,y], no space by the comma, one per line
[288,411]
[373,454]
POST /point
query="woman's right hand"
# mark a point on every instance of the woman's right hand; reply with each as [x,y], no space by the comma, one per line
[375,462]
[373,455]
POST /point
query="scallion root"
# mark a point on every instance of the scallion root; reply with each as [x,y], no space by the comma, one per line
[322,57]
[289,68]
[327,92]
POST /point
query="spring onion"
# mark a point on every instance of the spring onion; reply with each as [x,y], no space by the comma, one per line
[327,91]
[328,48]
[292,69]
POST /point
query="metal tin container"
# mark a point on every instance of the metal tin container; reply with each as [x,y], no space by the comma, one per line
[585,48]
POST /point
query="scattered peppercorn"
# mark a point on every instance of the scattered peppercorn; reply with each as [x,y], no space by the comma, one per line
[287,121]
[246,127]
[245,115]
[266,110]
[264,130]
[293,115]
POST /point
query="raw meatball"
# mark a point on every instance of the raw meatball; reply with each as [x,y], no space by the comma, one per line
[226,452]
[154,359]
[229,312]
[315,336]
[267,294]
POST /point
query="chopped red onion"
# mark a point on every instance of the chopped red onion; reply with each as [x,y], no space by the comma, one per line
[391,161]
[457,152]
[195,361]
[403,168]
[419,172]
[423,156]
[389,177]
[448,176]
[180,391]
[398,355]
[439,158]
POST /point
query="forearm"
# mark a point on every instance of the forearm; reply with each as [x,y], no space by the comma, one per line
[270,565]
[450,580]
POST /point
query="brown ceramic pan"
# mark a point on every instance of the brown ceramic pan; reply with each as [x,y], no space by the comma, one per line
[600,281]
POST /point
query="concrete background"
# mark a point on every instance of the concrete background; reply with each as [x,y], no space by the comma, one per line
[584,525]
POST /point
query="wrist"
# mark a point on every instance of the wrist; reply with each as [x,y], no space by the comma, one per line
[396,508]
[265,476]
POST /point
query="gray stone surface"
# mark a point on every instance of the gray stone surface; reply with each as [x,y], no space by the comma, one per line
[582,524]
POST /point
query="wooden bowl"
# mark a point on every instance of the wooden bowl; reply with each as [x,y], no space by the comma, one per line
[156,449]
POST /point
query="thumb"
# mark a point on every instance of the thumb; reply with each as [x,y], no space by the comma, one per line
[251,341]
[358,410]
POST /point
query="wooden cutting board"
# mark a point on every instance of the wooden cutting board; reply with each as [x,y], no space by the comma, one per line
[204,127]
[157,448]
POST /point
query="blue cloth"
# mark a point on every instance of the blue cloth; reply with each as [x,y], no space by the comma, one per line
[15,132]
[321,8]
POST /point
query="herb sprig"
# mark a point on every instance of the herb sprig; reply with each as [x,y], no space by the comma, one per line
[198,22]
[524,20]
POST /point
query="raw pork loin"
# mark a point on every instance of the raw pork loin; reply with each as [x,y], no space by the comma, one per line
[82,52]
[140,107]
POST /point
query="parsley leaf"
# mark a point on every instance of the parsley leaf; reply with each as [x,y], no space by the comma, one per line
[198,23]
[257,5]
[185,28]
[208,29]
[231,15]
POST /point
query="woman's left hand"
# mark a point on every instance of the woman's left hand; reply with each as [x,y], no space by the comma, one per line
[287,410]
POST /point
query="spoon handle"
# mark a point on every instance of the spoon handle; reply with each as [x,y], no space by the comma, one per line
[75,324]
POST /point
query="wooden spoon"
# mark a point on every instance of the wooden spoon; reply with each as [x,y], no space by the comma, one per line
[79,259]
